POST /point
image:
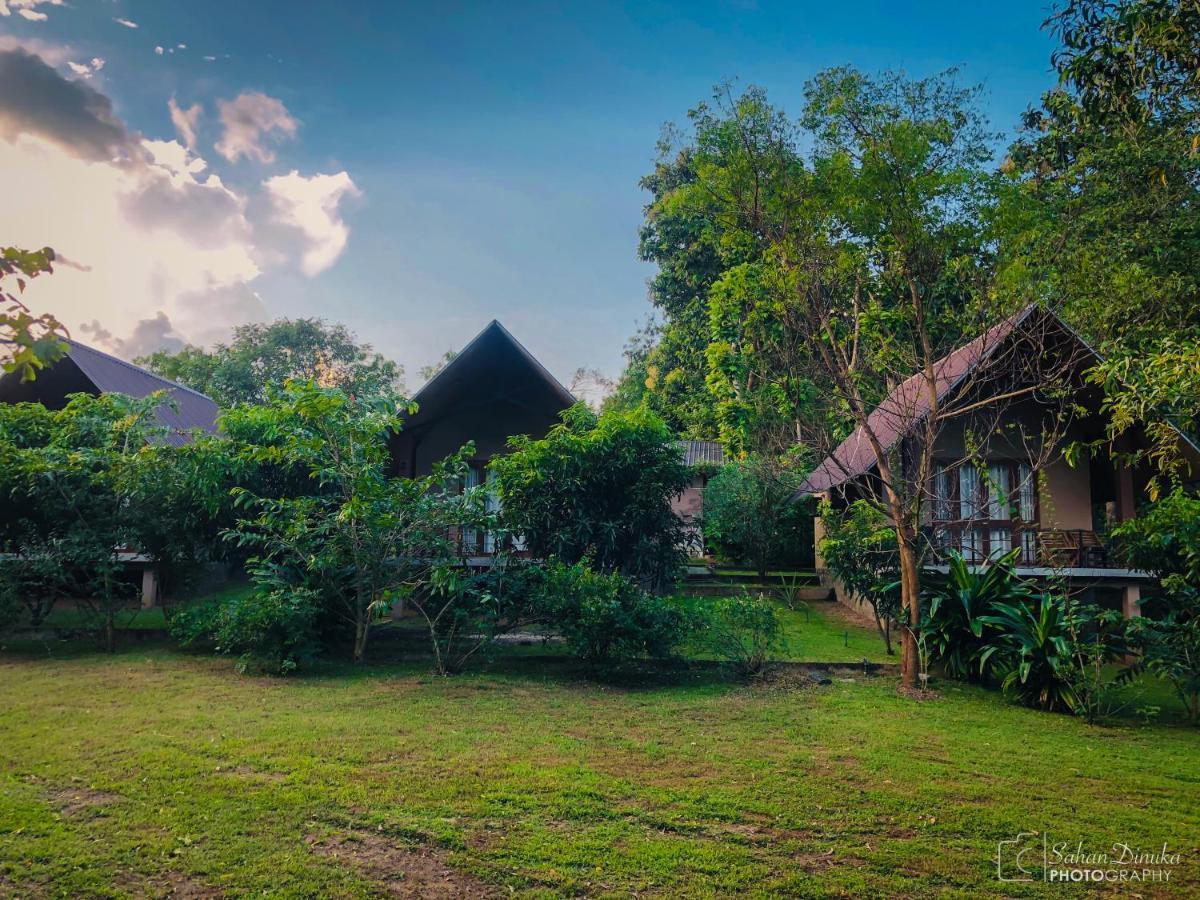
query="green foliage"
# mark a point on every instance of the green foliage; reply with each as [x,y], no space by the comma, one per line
[274,630]
[356,539]
[466,610]
[1165,540]
[262,357]
[859,550]
[959,604]
[606,618]
[1031,652]
[29,342]
[745,631]
[599,487]
[90,482]
[751,516]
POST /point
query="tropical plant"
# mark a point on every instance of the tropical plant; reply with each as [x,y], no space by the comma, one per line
[599,487]
[958,607]
[1031,652]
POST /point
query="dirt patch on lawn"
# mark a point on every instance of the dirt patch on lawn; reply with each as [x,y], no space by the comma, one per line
[73,801]
[401,869]
[174,885]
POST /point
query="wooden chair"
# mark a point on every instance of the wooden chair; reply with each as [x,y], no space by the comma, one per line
[1058,548]
[1092,551]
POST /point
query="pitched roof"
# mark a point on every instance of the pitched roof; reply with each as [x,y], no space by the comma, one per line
[702,452]
[908,404]
[476,364]
[116,376]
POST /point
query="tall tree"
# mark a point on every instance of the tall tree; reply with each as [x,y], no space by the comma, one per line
[261,357]
[873,268]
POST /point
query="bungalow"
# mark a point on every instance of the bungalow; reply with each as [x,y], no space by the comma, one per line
[86,370]
[703,458]
[491,390]
[1001,486]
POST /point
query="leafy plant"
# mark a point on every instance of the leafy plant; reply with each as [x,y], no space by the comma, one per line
[606,618]
[27,342]
[750,515]
[1031,652]
[357,539]
[600,488]
[956,618]
[271,629]
[743,630]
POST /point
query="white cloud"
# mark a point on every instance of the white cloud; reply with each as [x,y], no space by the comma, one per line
[86,69]
[27,9]
[126,22]
[161,250]
[158,50]
[309,205]
[248,121]
[185,121]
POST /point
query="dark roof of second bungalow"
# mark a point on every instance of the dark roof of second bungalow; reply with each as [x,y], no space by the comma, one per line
[111,375]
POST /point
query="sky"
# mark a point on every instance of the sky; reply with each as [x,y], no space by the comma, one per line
[412,170]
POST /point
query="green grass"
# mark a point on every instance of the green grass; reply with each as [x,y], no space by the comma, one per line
[152,771]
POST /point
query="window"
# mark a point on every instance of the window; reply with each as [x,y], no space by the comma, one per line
[984,512]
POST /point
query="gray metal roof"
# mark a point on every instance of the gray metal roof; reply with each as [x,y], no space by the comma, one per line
[702,452]
[116,376]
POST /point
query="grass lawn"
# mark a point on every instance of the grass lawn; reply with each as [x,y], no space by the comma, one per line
[153,772]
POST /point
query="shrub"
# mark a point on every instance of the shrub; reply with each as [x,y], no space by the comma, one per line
[750,516]
[1032,652]
[600,488]
[859,550]
[271,630]
[955,624]
[606,618]
[745,631]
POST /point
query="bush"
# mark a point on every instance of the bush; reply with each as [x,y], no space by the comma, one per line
[751,518]
[599,488]
[955,626]
[859,550]
[606,618]
[745,631]
[271,630]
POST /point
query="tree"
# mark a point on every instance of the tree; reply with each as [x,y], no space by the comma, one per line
[874,267]
[27,342]
[261,357]
[88,485]
[598,488]
[750,514]
[357,540]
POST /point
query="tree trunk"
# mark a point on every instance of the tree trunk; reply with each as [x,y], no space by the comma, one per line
[910,591]
[110,632]
[361,630]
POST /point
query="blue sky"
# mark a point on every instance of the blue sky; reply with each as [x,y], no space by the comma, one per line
[495,147]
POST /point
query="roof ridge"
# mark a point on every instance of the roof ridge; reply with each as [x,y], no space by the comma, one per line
[127,364]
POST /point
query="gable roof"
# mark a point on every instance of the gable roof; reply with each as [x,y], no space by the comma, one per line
[702,452]
[476,364]
[107,374]
[909,403]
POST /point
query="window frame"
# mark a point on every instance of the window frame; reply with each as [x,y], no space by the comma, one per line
[948,533]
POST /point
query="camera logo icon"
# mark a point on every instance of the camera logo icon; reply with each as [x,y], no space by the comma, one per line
[1017,856]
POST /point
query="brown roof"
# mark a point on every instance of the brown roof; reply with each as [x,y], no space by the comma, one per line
[905,406]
